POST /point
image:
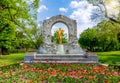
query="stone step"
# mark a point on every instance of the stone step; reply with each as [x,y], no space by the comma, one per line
[62,55]
[64,59]
[40,56]
[53,58]
[81,62]
[61,58]
[58,57]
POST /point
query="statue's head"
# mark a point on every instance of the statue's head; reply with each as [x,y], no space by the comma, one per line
[60,28]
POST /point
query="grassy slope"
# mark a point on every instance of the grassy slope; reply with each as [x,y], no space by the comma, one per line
[11,59]
[112,57]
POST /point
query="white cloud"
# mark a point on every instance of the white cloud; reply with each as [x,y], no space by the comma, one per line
[47,17]
[41,8]
[82,12]
[78,4]
[62,9]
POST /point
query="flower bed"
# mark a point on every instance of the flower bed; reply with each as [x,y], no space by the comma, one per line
[67,73]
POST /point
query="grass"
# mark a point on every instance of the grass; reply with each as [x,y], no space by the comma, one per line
[112,57]
[11,59]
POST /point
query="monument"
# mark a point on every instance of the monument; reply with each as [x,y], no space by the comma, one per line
[70,52]
[60,49]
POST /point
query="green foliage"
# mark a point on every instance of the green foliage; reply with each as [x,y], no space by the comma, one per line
[34,35]
[54,38]
[102,37]
[88,39]
[6,38]
[16,15]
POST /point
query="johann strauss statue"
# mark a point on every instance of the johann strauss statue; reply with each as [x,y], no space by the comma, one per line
[59,35]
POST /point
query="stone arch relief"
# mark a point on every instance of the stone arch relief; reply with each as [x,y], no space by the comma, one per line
[50,48]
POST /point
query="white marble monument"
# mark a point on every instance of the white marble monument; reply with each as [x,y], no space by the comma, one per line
[70,52]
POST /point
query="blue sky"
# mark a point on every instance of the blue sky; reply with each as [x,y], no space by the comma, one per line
[79,10]
[51,8]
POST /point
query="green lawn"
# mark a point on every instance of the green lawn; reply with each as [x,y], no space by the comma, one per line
[11,59]
[112,57]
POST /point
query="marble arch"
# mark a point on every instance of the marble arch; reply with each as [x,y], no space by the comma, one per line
[49,50]
[70,23]
[49,47]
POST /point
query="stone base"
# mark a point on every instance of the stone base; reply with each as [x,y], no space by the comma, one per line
[60,50]
[65,58]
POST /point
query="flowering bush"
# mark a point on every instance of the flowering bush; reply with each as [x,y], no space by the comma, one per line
[67,73]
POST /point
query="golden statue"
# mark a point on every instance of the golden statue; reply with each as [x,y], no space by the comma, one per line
[59,34]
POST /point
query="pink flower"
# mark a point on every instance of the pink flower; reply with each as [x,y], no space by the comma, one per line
[41,71]
[79,71]
[115,73]
[53,74]
[73,72]
[63,73]
[97,69]
[103,72]
[73,76]
[91,77]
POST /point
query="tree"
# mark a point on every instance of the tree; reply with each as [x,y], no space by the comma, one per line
[28,38]
[34,34]
[118,36]
[109,8]
[6,38]
[102,37]
[88,39]
[54,38]
[108,35]
[15,14]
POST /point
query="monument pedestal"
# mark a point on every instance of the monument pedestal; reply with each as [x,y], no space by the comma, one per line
[58,58]
[60,50]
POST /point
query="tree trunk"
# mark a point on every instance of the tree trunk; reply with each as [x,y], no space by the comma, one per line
[5,51]
[0,51]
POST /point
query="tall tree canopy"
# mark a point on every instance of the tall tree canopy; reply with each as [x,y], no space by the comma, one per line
[102,37]
[17,12]
[16,15]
